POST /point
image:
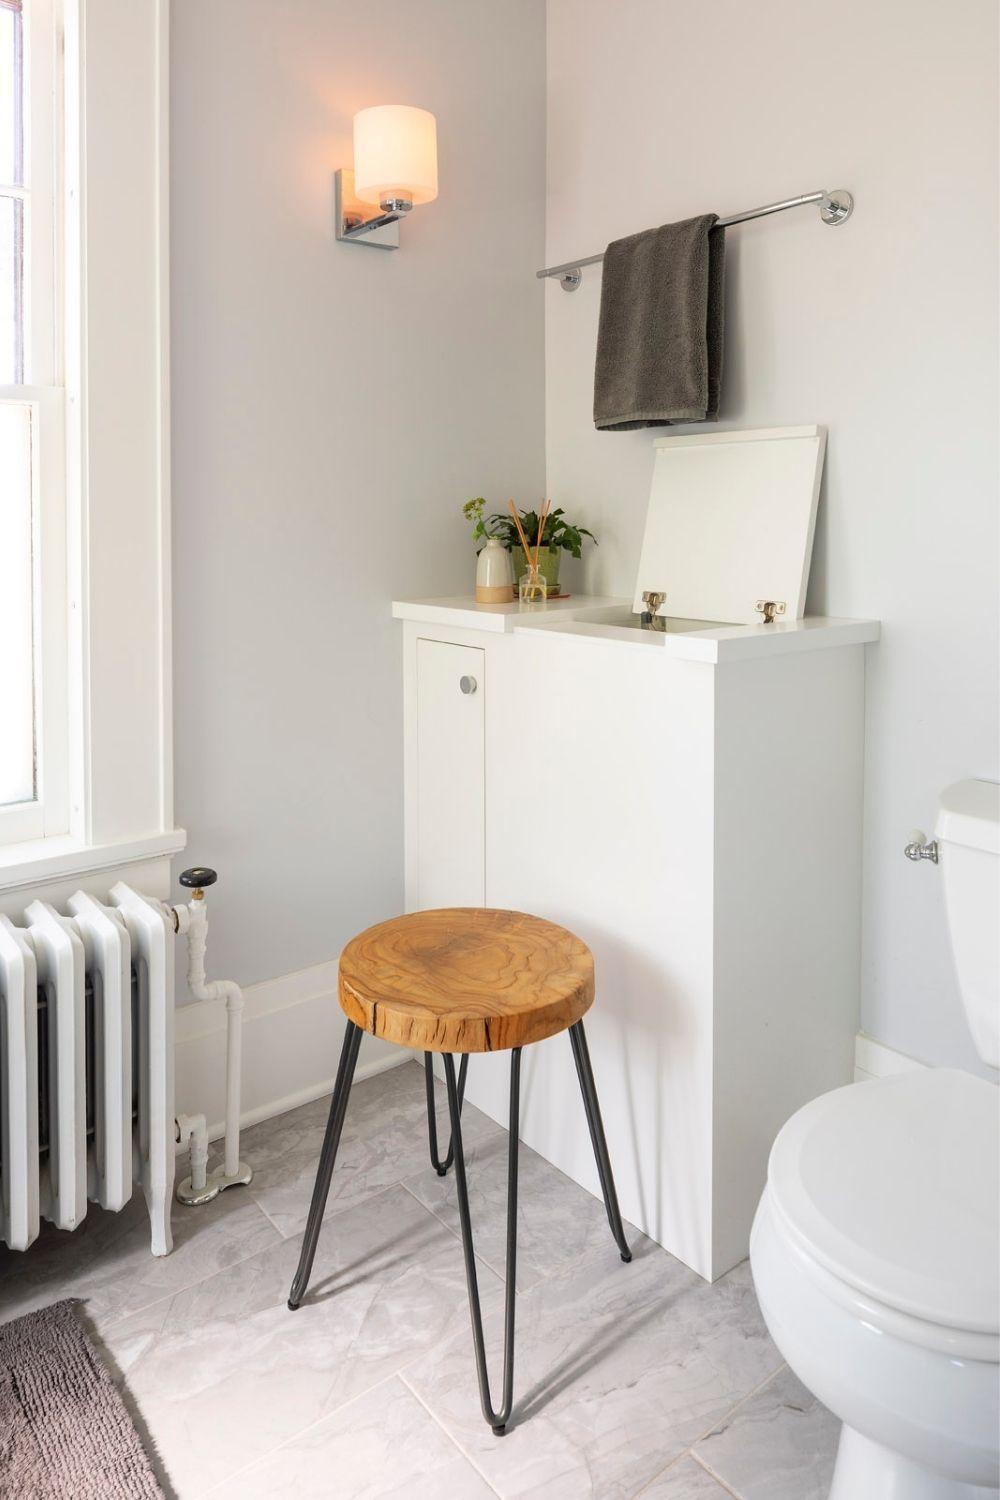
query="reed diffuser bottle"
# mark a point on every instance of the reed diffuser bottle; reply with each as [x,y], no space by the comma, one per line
[532,588]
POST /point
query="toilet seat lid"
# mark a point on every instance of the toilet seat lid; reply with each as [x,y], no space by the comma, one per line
[892,1186]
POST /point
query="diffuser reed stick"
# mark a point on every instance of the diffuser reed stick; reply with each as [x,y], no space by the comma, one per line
[546,507]
[520,531]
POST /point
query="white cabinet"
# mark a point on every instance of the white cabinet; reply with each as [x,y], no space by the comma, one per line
[450,775]
[689,803]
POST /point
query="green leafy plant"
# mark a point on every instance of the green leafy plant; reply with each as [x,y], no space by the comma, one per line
[472,510]
[559,533]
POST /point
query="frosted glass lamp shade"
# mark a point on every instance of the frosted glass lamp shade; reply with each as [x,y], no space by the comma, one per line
[395,154]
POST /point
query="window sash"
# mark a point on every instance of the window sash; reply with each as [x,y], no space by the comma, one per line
[42,391]
[48,812]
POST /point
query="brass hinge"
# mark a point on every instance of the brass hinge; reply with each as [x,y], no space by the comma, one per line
[650,619]
[769,608]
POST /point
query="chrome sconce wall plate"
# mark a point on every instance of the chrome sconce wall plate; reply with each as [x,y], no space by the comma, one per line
[354,221]
[395,168]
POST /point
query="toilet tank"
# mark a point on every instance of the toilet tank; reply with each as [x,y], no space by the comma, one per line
[968,834]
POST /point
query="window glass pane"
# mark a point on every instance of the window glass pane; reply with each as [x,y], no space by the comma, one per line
[17,712]
[11,94]
[11,291]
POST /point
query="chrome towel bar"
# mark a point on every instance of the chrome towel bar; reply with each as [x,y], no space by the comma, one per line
[834,208]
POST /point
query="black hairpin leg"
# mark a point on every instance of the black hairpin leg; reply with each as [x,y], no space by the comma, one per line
[328,1155]
[441,1167]
[585,1073]
[497,1419]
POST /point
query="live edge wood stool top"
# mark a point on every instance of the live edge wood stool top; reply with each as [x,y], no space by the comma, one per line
[465,979]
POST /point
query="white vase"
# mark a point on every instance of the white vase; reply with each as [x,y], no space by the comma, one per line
[494,574]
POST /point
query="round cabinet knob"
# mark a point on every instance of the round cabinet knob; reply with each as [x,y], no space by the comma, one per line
[468,684]
[198,878]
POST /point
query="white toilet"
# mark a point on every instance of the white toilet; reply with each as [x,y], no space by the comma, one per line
[876,1246]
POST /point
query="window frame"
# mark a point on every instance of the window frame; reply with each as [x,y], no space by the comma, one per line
[42,391]
[113,207]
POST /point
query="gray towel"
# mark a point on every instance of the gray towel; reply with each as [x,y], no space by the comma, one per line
[659,342]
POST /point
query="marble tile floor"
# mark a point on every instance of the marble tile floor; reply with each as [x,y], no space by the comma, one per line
[629,1380]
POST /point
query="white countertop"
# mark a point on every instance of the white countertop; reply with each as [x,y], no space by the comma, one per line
[611,620]
[463,610]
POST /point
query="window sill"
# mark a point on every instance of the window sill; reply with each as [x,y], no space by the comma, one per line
[44,860]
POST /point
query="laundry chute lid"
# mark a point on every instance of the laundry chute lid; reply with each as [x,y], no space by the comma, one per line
[730,523]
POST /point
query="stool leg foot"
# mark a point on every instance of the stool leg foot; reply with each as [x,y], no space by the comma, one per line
[441,1167]
[585,1073]
[497,1420]
[328,1155]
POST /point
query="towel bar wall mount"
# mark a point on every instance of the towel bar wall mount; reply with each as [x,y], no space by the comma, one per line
[835,207]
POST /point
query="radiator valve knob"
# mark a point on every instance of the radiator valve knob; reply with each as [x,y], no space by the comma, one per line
[197,878]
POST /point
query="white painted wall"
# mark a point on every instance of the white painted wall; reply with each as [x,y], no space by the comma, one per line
[332,408]
[883,329]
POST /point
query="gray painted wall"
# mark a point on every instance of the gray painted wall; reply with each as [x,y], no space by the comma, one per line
[332,407]
[884,330]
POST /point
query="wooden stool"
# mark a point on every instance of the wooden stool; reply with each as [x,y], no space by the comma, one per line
[465,980]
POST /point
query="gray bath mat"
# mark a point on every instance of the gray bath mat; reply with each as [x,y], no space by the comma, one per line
[64,1429]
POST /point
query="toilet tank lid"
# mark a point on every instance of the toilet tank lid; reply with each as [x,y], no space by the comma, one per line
[970,814]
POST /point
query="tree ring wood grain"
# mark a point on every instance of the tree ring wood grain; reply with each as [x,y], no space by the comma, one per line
[466,979]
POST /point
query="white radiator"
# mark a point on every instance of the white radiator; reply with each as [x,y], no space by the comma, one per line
[76,1076]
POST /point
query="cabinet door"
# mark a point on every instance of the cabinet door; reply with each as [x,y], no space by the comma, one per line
[451,766]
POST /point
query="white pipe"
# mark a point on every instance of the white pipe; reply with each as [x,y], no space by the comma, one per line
[194,1128]
[234,1069]
[219,989]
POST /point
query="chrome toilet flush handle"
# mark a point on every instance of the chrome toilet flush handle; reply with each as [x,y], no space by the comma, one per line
[920,847]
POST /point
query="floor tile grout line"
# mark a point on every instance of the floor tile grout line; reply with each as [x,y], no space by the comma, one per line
[732,1410]
[717,1477]
[188,1286]
[484,1259]
[418,1354]
[232,1265]
[689,1450]
[267,1216]
[335,1213]
[450,1436]
[398,1373]
[294,1437]
[251,1198]
[647,1486]
[416,1358]
[454,1233]
[291,1438]
[408,1366]
[24,1266]
[540,1276]
[328,1213]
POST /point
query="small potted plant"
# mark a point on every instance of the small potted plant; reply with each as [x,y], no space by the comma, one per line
[560,536]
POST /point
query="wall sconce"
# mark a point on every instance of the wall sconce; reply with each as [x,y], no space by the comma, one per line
[395,167]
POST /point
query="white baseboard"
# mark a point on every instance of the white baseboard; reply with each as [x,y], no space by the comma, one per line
[874,1059]
[293,1028]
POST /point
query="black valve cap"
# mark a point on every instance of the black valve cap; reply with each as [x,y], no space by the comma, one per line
[198,877]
